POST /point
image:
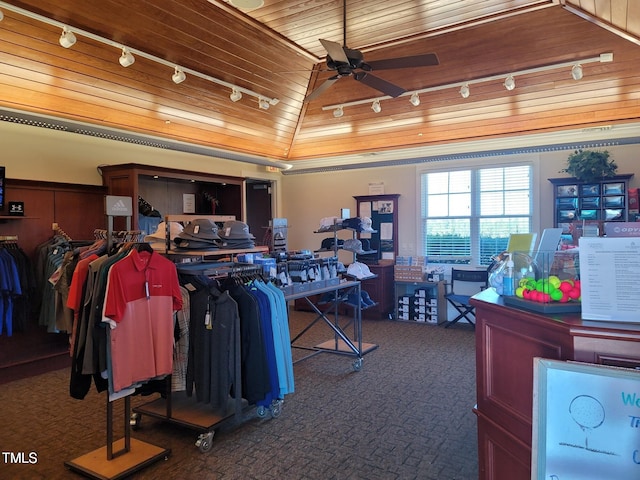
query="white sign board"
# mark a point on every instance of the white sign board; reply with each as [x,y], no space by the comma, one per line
[609,273]
[586,422]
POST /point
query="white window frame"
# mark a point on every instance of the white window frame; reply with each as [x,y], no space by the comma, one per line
[516,160]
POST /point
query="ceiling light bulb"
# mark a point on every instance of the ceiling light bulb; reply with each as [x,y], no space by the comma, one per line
[67,39]
[338,112]
[510,83]
[576,72]
[464,91]
[263,103]
[126,58]
[178,76]
[376,106]
[235,95]
[415,99]
[1,15]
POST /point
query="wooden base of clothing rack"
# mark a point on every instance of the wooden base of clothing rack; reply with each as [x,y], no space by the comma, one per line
[121,458]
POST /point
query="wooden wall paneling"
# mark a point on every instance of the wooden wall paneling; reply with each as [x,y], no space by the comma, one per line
[80,213]
[39,208]
[78,210]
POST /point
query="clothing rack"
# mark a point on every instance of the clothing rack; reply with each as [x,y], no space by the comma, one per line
[178,408]
[123,457]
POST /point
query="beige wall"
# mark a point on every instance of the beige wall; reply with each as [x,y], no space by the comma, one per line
[309,197]
[43,154]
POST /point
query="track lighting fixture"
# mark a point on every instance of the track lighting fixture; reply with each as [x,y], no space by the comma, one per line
[235,95]
[178,76]
[415,99]
[576,72]
[126,58]
[338,112]
[67,39]
[510,83]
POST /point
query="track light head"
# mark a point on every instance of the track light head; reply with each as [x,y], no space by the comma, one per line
[126,59]
[464,91]
[510,83]
[338,112]
[576,72]
[235,95]
[375,106]
[415,99]
[263,103]
[178,76]
[67,39]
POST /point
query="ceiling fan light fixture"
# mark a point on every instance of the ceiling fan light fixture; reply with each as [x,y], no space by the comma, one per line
[464,91]
[178,76]
[576,72]
[338,112]
[235,95]
[510,83]
[263,103]
[415,99]
[67,38]
[127,58]
[375,106]
[247,4]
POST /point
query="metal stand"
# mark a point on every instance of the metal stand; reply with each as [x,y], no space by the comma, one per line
[341,343]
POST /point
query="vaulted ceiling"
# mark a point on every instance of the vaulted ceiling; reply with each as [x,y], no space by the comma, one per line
[274,51]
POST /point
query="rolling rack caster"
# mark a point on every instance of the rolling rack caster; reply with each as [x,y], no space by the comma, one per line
[205,441]
[275,408]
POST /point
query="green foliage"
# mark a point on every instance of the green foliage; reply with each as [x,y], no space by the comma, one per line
[590,165]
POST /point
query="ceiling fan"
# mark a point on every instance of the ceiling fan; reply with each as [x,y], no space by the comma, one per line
[347,62]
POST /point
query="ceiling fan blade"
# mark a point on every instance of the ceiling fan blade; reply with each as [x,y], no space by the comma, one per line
[318,91]
[425,60]
[335,51]
[385,87]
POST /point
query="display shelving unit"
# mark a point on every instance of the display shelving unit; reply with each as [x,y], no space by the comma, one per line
[577,203]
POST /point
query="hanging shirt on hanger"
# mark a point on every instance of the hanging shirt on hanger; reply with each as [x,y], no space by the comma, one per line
[141,296]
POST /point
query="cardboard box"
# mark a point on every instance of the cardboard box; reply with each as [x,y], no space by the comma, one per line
[407,273]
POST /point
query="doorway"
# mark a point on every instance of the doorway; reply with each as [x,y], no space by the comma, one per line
[259,209]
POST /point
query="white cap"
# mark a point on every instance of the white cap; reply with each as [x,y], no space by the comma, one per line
[160,234]
[359,270]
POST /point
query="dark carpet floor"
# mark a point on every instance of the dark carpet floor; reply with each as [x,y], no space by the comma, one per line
[407,414]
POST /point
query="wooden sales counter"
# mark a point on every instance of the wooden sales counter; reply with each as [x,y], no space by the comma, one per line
[507,341]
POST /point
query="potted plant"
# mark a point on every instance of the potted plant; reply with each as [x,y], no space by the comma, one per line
[590,165]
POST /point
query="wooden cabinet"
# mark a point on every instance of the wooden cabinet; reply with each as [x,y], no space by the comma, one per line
[591,202]
[164,188]
[383,211]
[380,289]
[507,341]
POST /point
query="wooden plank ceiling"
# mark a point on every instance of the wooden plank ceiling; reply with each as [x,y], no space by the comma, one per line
[274,51]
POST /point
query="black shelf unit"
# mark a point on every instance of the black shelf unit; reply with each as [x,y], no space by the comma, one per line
[576,203]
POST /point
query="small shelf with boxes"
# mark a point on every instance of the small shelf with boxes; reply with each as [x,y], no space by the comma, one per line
[419,291]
